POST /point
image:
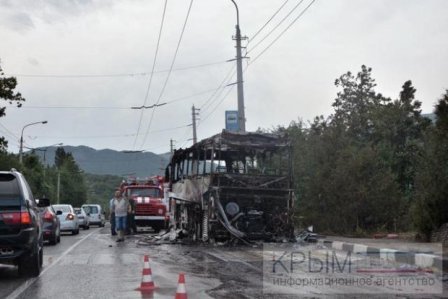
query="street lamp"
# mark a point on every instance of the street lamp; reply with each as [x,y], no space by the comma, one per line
[239,74]
[21,138]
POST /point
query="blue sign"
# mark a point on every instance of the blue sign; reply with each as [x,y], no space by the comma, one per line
[232,121]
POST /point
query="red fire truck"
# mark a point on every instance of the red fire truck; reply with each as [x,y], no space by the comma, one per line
[151,209]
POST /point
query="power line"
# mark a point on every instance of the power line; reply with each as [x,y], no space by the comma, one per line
[217,105]
[191,96]
[152,72]
[280,35]
[8,132]
[141,74]
[110,136]
[223,84]
[76,107]
[185,141]
[270,19]
[117,107]
[169,73]
[276,26]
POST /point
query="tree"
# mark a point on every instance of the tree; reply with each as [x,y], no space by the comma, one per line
[399,132]
[7,86]
[33,170]
[73,189]
[350,166]
[60,157]
[430,209]
[355,103]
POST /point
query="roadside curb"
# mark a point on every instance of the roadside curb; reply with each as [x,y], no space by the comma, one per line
[399,256]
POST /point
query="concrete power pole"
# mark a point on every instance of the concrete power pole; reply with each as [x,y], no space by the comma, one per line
[58,188]
[239,73]
[171,146]
[194,113]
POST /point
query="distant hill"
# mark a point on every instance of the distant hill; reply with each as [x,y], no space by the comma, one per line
[110,162]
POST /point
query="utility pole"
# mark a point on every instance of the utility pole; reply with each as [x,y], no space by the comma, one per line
[194,113]
[58,188]
[171,146]
[239,73]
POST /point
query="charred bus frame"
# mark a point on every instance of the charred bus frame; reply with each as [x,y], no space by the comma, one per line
[233,186]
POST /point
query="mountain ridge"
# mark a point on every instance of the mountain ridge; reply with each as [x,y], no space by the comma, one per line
[108,161]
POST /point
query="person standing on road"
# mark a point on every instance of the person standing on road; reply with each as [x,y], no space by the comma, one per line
[112,213]
[132,228]
[120,207]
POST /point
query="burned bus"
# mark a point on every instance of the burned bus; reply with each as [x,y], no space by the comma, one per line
[233,186]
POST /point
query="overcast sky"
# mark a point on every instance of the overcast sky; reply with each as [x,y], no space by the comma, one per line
[82,64]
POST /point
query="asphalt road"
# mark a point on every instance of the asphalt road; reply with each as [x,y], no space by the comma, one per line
[93,265]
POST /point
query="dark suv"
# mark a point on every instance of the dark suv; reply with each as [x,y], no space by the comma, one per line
[21,238]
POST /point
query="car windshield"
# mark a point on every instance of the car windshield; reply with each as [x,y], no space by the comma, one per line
[143,192]
[9,186]
[91,209]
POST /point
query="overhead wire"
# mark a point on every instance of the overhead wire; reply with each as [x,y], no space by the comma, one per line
[139,74]
[254,36]
[275,27]
[118,107]
[152,71]
[8,132]
[110,136]
[281,34]
[169,73]
[217,105]
[224,83]
[216,92]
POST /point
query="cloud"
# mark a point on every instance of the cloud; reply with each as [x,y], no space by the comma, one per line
[20,22]
[48,11]
[33,61]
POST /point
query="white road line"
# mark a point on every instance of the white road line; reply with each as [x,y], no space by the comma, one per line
[220,255]
[22,288]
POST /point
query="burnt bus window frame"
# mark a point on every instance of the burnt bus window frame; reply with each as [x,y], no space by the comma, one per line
[211,154]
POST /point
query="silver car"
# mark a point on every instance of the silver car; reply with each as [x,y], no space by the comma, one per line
[96,214]
[68,218]
[83,218]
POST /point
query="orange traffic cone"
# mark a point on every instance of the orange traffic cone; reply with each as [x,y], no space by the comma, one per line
[147,283]
[181,292]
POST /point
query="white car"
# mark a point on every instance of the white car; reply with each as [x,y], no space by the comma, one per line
[96,214]
[67,218]
[83,218]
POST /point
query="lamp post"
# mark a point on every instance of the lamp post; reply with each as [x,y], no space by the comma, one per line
[21,138]
[239,74]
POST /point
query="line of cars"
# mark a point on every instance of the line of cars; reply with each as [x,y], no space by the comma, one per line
[72,219]
[26,222]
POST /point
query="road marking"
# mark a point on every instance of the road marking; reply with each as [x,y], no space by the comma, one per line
[29,282]
[219,254]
